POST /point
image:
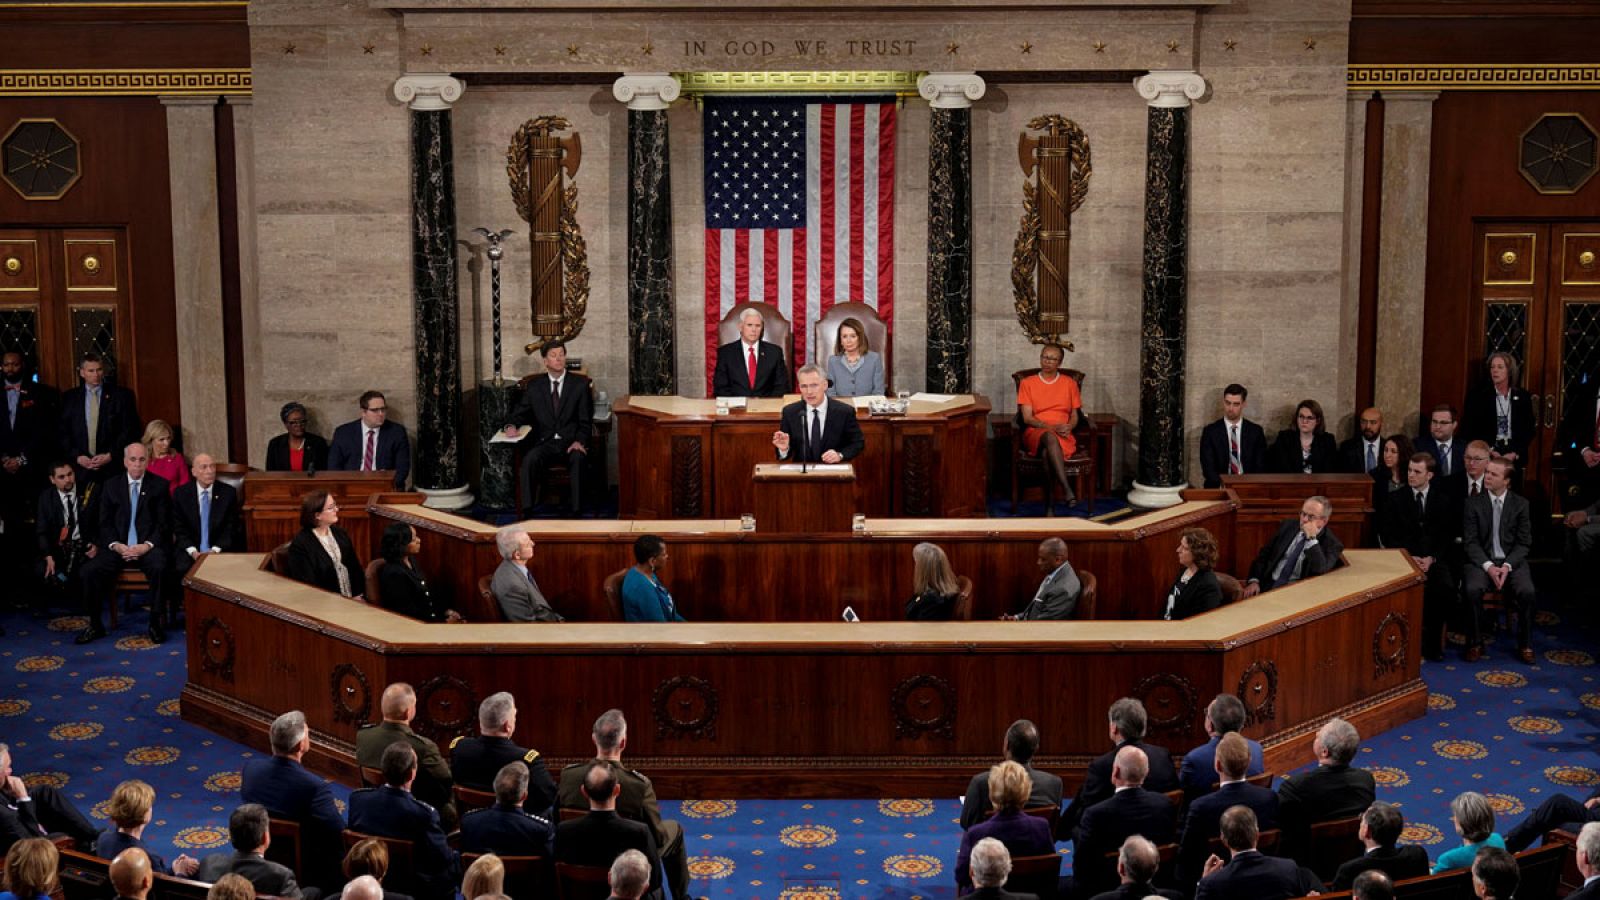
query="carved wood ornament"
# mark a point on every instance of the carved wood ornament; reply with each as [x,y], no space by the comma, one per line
[924,705]
[1258,689]
[685,707]
[352,695]
[1389,644]
[559,286]
[217,648]
[1044,239]
[1170,701]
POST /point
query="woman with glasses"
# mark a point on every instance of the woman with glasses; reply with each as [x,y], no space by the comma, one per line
[1306,448]
[297,449]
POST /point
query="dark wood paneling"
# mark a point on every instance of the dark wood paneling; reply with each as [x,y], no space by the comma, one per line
[1517,35]
[270,503]
[124,38]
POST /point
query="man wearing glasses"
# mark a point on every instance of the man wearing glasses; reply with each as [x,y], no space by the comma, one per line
[372,443]
[1301,549]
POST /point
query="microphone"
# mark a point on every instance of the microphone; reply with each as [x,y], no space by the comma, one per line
[804,439]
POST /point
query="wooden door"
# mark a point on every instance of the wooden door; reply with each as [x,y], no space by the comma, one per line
[63,293]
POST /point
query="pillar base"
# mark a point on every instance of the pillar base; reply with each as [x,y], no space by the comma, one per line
[1145,496]
[447,498]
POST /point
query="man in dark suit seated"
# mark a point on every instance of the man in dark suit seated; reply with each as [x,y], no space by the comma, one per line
[1204,821]
[477,762]
[1333,790]
[64,528]
[250,836]
[1137,863]
[1556,811]
[1249,875]
[507,828]
[1363,452]
[1497,533]
[205,516]
[1381,825]
[399,707]
[135,532]
[283,786]
[1022,742]
[1224,715]
[629,876]
[513,585]
[1440,442]
[132,876]
[1426,522]
[96,420]
[597,838]
[39,812]
[750,367]
[1588,862]
[1232,445]
[991,868]
[818,429]
[372,443]
[1495,874]
[560,407]
[391,811]
[1301,549]
[1131,810]
[1128,722]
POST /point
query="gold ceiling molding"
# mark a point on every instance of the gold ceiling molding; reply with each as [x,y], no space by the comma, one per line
[122,82]
[698,83]
[1484,77]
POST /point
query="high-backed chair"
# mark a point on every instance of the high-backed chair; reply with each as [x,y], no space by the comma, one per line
[613,590]
[1084,611]
[582,882]
[560,478]
[373,598]
[232,474]
[280,559]
[526,876]
[285,847]
[963,610]
[775,329]
[826,335]
[1332,843]
[1035,875]
[1080,466]
[402,877]
[1232,590]
[486,594]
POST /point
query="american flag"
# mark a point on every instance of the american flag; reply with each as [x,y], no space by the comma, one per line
[799,198]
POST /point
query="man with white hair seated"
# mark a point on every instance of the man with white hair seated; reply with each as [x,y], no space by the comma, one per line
[990,867]
[1137,863]
[513,585]
[364,888]
[750,366]
[1588,863]
[629,876]
[1333,790]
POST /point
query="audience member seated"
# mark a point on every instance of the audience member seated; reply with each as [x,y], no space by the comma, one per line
[1333,790]
[933,585]
[1204,820]
[513,585]
[507,827]
[816,429]
[1128,721]
[1556,811]
[281,784]
[1250,875]
[1307,448]
[644,597]
[486,875]
[479,762]
[1499,412]
[750,366]
[31,866]
[42,812]
[1196,589]
[1372,885]
[1132,810]
[97,420]
[368,859]
[1582,552]
[1441,443]
[1048,404]
[637,799]
[1389,478]
[361,887]
[1495,874]
[1363,452]
[250,836]
[1137,863]
[1381,826]
[205,517]
[1473,819]
[1301,549]
[130,808]
[1232,445]
[629,876]
[391,811]
[1426,522]
[321,553]
[135,530]
[66,535]
[599,837]
[1057,595]
[401,586]
[297,449]
[132,876]
[991,868]
[1022,742]
[559,407]
[1224,715]
[1588,862]
[1497,533]
[372,443]
[855,369]
[1474,465]
[1022,834]
[165,460]
[399,706]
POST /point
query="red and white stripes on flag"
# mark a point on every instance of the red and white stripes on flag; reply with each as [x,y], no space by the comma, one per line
[761,245]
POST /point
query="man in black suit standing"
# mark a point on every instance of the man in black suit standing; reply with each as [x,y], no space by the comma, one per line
[96,419]
[66,538]
[1427,523]
[1381,826]
[750,367]
[1364,451]
[1498,533]
[818,429]
[560,407]
[599,837]
[372,443]
[205,516]
[1301,549]
[1127,721]
[1131,810]
[28,421]
[1249,875]
[1232,445]
[1441,442]
[135,530]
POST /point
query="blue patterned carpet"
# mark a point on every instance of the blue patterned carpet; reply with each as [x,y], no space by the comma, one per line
[86,718]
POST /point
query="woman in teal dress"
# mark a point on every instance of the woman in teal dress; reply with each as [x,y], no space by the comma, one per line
[1474,821]
[644,597]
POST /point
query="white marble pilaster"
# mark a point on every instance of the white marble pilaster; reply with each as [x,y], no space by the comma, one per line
[244,168]
[1170,88]
[428,92]
[646,91]
[1355,147]
[951,90]
[1402,256]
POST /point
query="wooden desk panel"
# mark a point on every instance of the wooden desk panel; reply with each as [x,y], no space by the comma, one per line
[270,503]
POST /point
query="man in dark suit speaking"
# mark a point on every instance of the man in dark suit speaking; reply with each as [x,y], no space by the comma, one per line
[750,367]
[817,429]
[372,443]
[560,407]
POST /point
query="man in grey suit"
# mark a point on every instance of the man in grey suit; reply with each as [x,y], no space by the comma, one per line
[1057,596]
[1498,534]
[513,585]
[247,830]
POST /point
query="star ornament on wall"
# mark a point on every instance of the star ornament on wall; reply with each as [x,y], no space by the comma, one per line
[288,49]
[1099,46]
[1229,44]
[368,47]
[1311,43]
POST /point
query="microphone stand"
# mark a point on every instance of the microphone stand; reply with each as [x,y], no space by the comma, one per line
[804,438]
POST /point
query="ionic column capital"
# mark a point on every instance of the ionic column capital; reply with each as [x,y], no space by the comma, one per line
[646,90]
[951,90]
[1169,89]
[428,93]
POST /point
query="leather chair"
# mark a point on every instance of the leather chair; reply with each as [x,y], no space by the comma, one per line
[1332,843]
[285,848]
[558,483]
[486,594]
[280,559]
[827,335]
[582,882]
[402,877]
[1080,466]
[776,330]
[1232,590]
[525,876]
[1037,875]
[963,610]
[470,799]
[233,474]
[1084,611]
[372,582]
[613,590]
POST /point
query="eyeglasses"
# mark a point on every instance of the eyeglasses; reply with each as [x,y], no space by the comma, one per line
[1442,422]
[378,409]
[1307,515]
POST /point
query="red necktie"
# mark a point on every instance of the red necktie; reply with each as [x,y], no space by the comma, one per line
[752,367]
[370,456]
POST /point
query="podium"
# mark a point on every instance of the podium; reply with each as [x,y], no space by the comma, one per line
[818,500]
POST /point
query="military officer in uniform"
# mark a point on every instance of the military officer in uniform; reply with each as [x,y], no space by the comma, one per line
[506,828]
[638,798]
[392,811]
[476,762]
[399,705]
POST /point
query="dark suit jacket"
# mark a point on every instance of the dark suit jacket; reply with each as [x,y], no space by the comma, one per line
[1478,420]
[1198,770]
[732,379]
[315,459]
[402,589]
[1203,593]
[288,791]
[1399,863]
[574,421]
[309,563]
[1353,455]
[269,878]
[119,424]
[227,528]
[1137,891]
[1324,793]
[1458,452]
[840,431]
[391,812]
[1252,876]
[1046,792]
[476,760]
[393,450]
[112,842]
[1318,559]
[1097,785]
[1284,455]
[1590,891]
[38,421]
[506,830]
[1516,529]
[1435,534]
[153,518]
[598,838]
[1108,823]
[1214,450]
[1204,822]
[50,520]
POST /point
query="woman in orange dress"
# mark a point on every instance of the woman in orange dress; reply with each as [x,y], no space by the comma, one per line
[1049,406]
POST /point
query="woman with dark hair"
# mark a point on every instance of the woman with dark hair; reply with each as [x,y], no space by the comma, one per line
[1196,590]
[1390,475]
[1499,412]
[321,554]
[401,587]
[854,369]
[296,450]
[933,585]
[1307,447]
[644,597]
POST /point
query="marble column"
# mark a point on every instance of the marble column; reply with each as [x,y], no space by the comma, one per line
[197,274]
[1165,297]
[1355,139]
[437,471]
[652,340]
[244,158]
[1402,260]
[951,95]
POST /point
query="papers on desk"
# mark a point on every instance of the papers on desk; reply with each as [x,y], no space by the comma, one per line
[500,437]
[863,402]
[920,397]
[733,402]
[814,467]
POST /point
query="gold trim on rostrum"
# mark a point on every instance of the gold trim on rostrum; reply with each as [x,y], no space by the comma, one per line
[879,82]
[122,82]
[1476,77]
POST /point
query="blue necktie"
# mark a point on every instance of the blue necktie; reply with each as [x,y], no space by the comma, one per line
[205,520]
[1372,458]
[1285,571]
[133,513]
